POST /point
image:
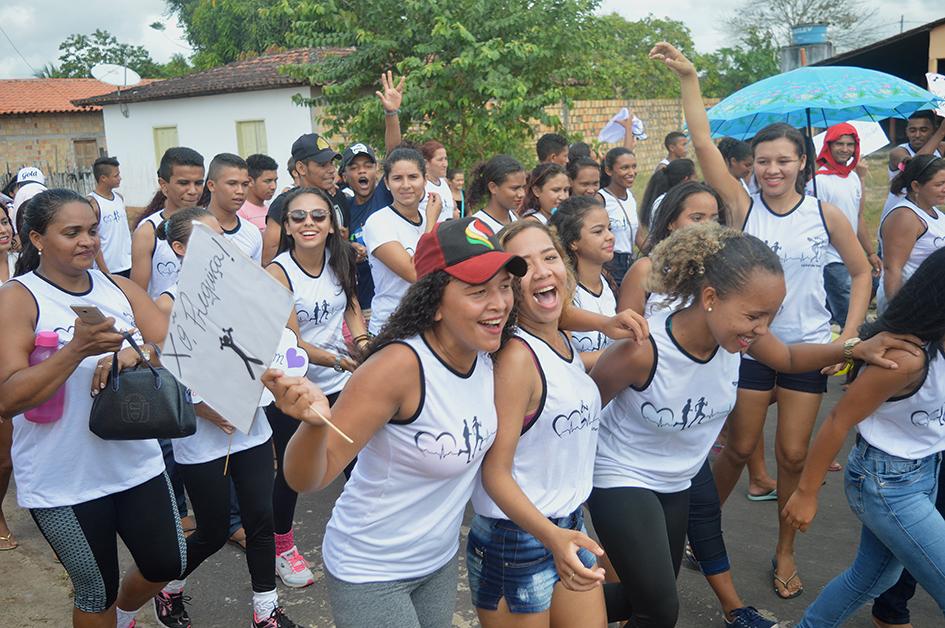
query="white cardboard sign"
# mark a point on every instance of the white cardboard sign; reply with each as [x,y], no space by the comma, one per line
[937,87]
[226,324]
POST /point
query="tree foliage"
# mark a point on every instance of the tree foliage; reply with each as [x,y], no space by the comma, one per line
[729,69]
[79,53]
[222,31]
[619,64]
[479,74]
[852,22]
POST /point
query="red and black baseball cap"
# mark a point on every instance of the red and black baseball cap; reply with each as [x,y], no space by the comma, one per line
[466,249]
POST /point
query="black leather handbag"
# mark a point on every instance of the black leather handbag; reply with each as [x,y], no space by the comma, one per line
[142,403]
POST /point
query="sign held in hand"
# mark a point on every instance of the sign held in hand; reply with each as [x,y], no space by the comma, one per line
[227,322]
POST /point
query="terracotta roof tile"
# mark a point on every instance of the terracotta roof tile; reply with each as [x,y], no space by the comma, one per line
[240,76]
[18,96]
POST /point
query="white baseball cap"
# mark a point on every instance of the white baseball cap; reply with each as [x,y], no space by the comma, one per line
[31,173]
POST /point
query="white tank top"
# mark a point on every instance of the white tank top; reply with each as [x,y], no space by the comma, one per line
[800,240]
[114,232]
[209,442]
[63,463]
[554,460]
[912,426]
[658,436]
[604,303]
[165,265]
[400,512]
[932,239]
[320,305]
[623,219]
[494,224]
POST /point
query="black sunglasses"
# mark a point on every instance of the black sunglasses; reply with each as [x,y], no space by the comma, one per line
[299,215]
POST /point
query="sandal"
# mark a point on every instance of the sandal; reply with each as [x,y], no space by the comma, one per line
[238,539]
[7,543]
[784,583]
[835,466]
[770,496]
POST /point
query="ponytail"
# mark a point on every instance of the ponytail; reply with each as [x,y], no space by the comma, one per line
[496,170]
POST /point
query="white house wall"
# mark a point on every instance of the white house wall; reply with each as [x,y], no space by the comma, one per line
[205,123]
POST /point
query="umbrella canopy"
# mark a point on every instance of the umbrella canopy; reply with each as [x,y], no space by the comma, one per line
[818,96]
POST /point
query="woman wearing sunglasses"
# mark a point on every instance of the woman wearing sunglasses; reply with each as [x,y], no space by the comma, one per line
[317,265]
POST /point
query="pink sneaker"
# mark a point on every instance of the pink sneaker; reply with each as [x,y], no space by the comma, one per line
[292,568]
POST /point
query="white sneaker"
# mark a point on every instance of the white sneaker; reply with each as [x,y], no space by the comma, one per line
[292,568]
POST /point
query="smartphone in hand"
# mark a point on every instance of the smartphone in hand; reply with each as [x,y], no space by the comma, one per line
[89,314]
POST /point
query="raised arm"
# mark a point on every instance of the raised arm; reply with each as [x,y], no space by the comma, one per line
[391,96]
[713,165]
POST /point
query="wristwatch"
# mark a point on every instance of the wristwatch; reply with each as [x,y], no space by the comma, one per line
[848,347]
[337,365]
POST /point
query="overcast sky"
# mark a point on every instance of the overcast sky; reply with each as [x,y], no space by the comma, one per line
[38,26]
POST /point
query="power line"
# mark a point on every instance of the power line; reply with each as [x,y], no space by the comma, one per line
[17,50]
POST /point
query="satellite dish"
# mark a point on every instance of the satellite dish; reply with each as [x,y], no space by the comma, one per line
[117,75]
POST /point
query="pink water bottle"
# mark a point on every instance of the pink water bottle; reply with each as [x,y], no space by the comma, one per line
[46,344]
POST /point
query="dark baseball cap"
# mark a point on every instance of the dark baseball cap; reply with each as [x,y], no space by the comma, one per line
[313,146]
[466,249]
[353,151]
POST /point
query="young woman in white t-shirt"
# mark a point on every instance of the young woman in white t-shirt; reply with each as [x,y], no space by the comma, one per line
[915,227]
[391,234]
[618,172]
[437,165]
[893,471]
[421,416]
[316,263]
[501,183]
[583,227]
[799,229]
[80,489]
[548,186]
[201,460]
[666,401]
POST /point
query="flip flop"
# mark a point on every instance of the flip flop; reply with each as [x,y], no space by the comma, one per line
[237,542]
[771,495]
[784,583]
[8,543]
[835,466]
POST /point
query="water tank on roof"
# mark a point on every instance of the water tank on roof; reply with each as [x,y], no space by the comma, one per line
[806,34]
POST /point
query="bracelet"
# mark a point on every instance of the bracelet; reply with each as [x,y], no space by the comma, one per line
[391,114]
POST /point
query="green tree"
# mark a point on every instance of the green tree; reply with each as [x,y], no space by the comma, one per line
[479,75]
[729,69]
[221,31]
[618,52]
[79,53]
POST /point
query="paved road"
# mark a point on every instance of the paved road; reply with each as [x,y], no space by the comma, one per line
[33,583]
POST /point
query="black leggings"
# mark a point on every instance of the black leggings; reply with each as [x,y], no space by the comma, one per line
[283,497]
[705,524]
[209,492]
[643,533]
[84,539]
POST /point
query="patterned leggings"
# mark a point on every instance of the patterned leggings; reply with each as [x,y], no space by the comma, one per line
[84,538]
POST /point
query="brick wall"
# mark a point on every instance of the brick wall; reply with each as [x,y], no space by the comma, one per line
[584,119]
[47,138]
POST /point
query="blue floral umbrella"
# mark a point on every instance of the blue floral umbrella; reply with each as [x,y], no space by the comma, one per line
[818,96]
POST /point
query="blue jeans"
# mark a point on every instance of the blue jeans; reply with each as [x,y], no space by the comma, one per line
[894,498]
[892,606]
[837,283]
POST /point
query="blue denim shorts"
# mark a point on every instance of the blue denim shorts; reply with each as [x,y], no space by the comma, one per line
[505,561]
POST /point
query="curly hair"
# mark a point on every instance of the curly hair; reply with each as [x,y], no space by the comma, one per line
[416,311]
[708,255]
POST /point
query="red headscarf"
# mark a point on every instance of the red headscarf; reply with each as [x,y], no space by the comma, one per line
[825,160]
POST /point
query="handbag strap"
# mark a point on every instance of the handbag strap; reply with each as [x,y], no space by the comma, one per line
[144,360]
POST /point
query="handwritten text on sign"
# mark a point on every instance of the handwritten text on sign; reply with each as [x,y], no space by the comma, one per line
[225,327]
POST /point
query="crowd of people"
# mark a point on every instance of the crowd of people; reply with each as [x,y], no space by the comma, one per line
[530,343]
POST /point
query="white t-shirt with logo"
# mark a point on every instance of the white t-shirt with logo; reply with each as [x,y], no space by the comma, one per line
[604,303]
[446,195]
[843,192]
[113,231]
[246,236]
[383,226]
[624,221]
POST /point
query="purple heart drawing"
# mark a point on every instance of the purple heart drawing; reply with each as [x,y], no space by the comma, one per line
[293,359]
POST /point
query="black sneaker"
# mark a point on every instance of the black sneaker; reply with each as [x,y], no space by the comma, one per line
[275,620]
[169,609]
